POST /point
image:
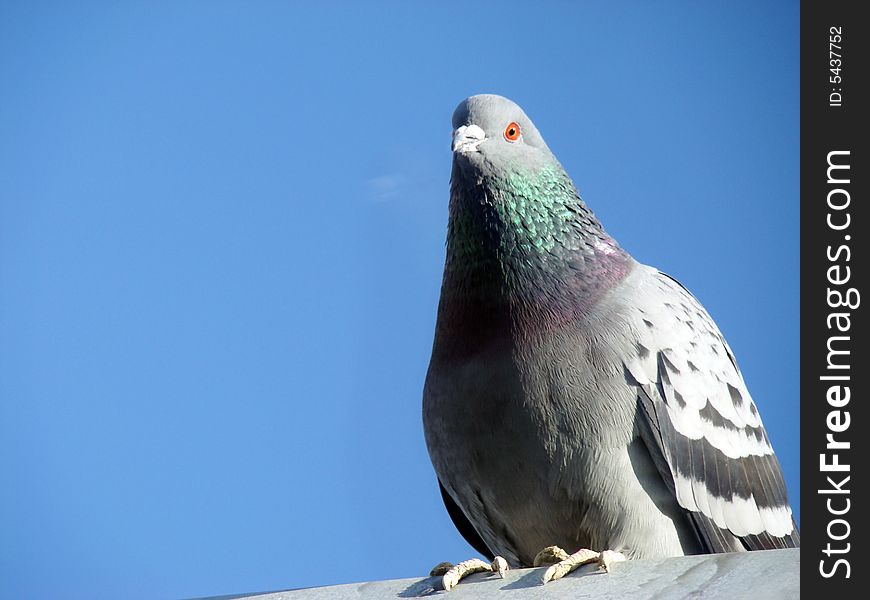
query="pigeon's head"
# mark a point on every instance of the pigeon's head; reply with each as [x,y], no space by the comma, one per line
[493,136]
[508,193]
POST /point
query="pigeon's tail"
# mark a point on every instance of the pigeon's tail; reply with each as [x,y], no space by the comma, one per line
[765,541]
[716,540]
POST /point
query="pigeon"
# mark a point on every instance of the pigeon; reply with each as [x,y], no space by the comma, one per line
[576,398]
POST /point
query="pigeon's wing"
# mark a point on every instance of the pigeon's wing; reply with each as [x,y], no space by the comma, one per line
[464,525]
[700,423]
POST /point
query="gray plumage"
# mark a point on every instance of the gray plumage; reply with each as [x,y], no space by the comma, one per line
[576,397]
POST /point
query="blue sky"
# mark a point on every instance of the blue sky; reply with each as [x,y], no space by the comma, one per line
[221,240]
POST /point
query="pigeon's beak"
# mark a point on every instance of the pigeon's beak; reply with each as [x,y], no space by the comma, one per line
[467,138]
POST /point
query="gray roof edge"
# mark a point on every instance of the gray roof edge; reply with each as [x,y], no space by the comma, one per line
[768,574]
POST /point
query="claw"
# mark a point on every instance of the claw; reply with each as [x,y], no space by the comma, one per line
[608,558]
[582,557]
[463,569]
[453,574]
[499,565]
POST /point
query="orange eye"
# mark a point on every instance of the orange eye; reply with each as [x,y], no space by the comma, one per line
[512,132]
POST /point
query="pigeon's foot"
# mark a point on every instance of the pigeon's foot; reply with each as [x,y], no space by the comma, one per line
[453,574]
[562,563]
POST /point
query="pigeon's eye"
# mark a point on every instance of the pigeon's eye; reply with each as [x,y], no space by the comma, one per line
[512,132]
